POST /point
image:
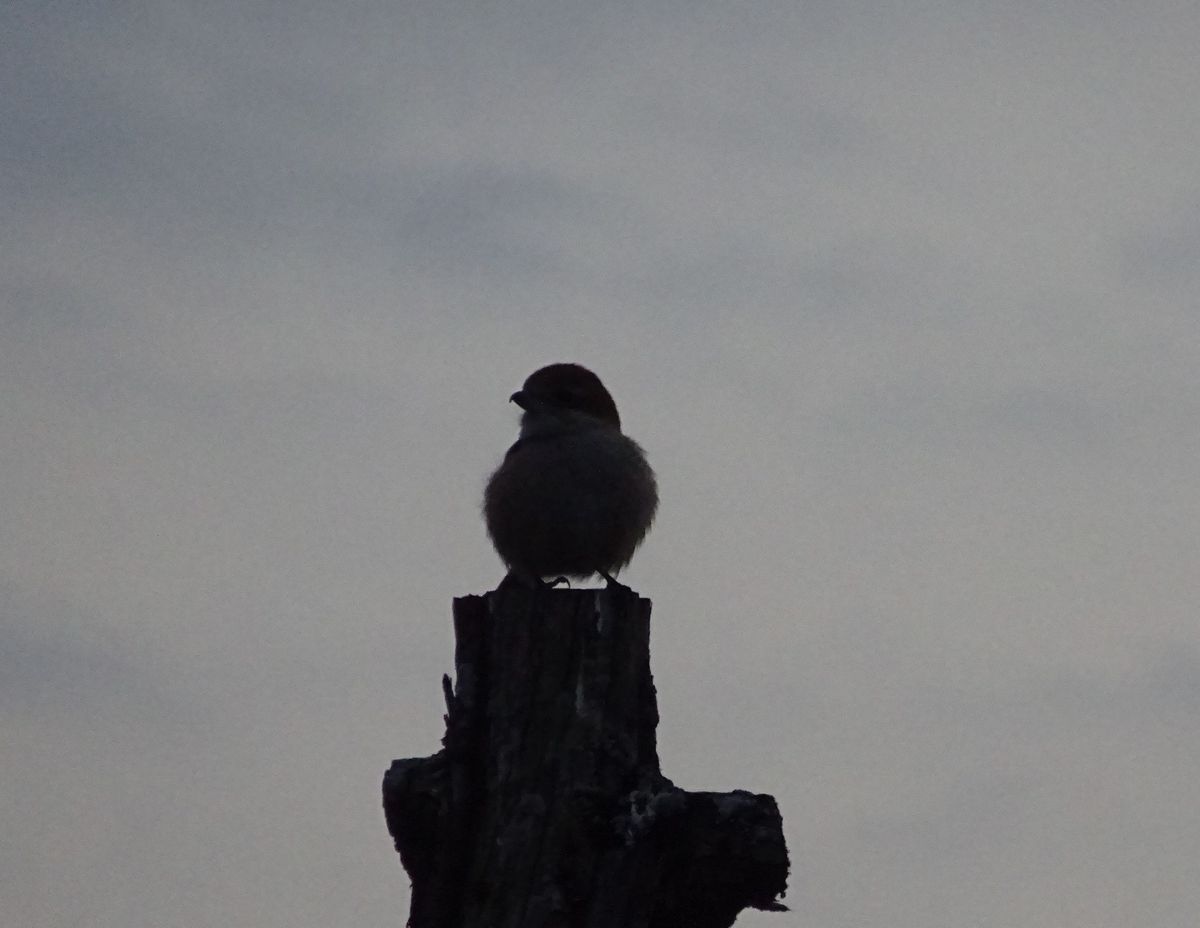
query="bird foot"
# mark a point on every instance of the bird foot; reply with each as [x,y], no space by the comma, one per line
[516,579]
[613,583]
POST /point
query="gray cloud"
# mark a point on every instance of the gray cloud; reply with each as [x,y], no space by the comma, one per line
[1167,253]
[897,300]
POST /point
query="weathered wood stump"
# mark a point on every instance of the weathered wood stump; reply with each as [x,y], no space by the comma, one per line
[546,806]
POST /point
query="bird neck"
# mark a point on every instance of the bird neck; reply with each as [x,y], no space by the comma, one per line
[536,424]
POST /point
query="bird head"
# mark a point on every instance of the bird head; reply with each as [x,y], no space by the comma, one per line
[568,394]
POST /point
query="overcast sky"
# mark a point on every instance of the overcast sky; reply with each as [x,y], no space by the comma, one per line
[901,299]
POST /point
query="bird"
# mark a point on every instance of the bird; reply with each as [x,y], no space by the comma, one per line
[575,496]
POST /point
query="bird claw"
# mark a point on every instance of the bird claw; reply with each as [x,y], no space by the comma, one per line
[517,579]
[613,582]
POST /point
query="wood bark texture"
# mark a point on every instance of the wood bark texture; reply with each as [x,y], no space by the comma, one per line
[546,806]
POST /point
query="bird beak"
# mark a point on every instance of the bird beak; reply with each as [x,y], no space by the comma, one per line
[520,399]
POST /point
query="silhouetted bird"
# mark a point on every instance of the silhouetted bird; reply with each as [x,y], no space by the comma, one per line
[574,496]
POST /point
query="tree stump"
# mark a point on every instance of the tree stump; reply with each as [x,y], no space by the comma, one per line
[546,806]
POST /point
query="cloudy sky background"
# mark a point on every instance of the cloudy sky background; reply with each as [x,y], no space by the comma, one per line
[900,298]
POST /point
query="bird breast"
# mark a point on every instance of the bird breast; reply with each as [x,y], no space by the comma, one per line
[574,503]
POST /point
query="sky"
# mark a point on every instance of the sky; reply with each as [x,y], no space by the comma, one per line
[901,300]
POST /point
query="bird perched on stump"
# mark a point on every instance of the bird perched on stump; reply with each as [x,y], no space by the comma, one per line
[574,496]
